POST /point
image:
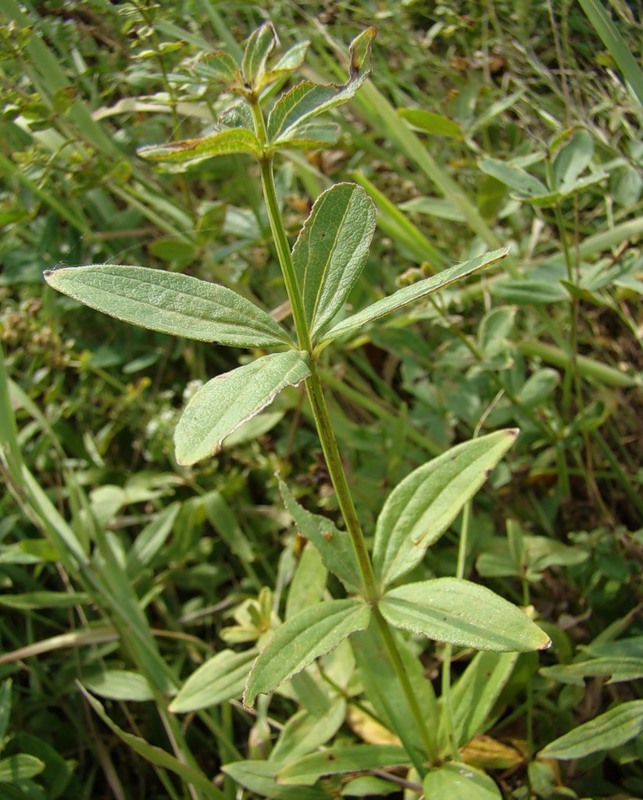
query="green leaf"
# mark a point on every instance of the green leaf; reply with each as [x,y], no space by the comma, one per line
[462,613]
[221,143]
[338,760]
[218,679]
[513,177]
[529,291]
[431,122]
[305,732]
[259,46]
[5,706]
[313,632]
[572,159]
[333,545]
[43,599]
[421,508]
[411,293]
[171,303]
[227,401]
[476,692]
[291,60]
[331,250]
[218,67]
[460,782]
[310,135]
[259,777]
[155,755]
[307,100]
[618,668]
[308,584]
[120,684]
[150,540]
[20,767]
[609,730]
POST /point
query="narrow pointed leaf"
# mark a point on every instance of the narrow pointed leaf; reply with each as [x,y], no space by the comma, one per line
[259,46]
[431,122]
[618,668]
[331,250]
[572,159]
[227,401]
[156,755]
[308,100]
[338,760]
[171,303]
[611,729]
[334,546]
[310,135]
[411,293]
[421,508]
[462,613]
[221,143]
[291,60]
[20,767]
[514,177]
[310,634]
[460,782]
[305,732]
[220,678]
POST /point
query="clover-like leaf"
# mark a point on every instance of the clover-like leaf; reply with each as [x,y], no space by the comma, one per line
[170,303]
[227,401]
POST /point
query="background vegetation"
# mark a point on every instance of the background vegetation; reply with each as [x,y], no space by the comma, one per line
[483,125]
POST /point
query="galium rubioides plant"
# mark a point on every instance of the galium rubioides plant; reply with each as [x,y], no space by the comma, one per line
[319,272]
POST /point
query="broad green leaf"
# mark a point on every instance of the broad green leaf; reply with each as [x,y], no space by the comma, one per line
[609,730]
[530,291]
[171,303]
[333,545]
[313,632]
[458,781]
[120,684]
[476,692]
[218,679]
[307,100]
[513,177]
[260,777]
[431,122]
[411,293]
[338,760]
[619,669]
[20,767]
[421,508]
[308,584]
[259,46]
[462,613]
[331,250]
[310,135]
[221,143]
[227,401]
[219,67]
[383,690]
[305,732]
[572,159]
[155,755]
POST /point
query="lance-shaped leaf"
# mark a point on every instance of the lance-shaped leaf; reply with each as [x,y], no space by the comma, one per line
[227,401]
[421,508]
[334,546]
[221,143]
[220,678]
[259,46]
[259,777]
[171,303]
[308,635]
[515,178]
[331,250]
[309,136]
[462,613]
[611,729]
[308,100]
[291,60]
[409,294]
[338,760]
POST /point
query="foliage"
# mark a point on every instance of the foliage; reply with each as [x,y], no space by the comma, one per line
[156,582]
